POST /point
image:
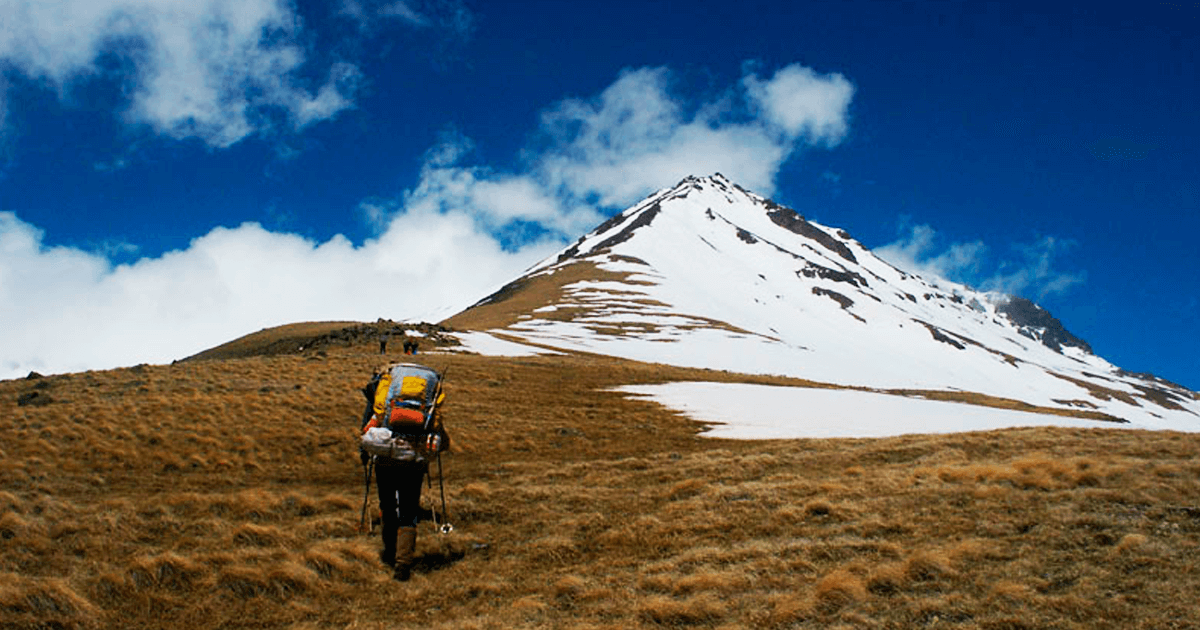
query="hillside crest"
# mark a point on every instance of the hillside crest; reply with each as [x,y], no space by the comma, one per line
[709,274]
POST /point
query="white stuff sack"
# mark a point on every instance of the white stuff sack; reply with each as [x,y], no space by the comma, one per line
[380,442]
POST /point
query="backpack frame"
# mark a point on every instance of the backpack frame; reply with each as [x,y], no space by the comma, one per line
[403,423]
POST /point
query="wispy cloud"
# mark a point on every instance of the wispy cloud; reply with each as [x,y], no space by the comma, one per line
[447,241]
[1034,272]
[918,251]
[1114,149]
[450,16]
[213,70]
[4,133]
[1031,270]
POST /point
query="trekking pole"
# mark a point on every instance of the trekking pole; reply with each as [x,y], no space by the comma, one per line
[368,467]
[442,527]
[433,513]
[446,527]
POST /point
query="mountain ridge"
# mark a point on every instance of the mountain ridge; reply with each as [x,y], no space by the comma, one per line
[710,274]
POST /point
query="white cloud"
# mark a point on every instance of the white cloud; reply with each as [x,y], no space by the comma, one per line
[636,136]
[452,146]
[803,103]
[210,69]
[69,310]
[402,10]
[1031,274]
[608,152]
[918,252]
[1034,273]
[449,16]
[441,244]
[496,200]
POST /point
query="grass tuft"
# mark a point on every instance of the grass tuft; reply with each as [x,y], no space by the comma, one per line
[670,611]
[928,565]
[837,590]
[169,571]
[45,603]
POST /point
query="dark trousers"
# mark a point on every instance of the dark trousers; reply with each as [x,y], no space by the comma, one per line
[399,485]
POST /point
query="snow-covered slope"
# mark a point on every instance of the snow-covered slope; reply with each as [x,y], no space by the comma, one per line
[707,274]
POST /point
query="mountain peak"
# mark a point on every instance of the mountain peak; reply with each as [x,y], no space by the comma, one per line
[709,274]
[716,179]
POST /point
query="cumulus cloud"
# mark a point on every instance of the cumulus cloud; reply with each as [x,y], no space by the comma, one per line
[802,103]
[497,200]
[607,152]
[637,135]
[441,244]
[75,310]
[1031,273]
[209,69]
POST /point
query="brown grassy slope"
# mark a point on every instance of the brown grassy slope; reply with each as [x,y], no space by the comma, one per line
[226,494]
[313,338]
[524,295]
[286,339]
[520,299]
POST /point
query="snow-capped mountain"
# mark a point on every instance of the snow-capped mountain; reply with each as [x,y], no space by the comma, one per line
[708,274]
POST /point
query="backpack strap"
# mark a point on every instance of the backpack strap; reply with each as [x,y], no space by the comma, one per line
[381,395]
[436,399]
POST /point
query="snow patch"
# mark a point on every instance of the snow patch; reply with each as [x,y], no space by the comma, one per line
[492,346]
[759,412]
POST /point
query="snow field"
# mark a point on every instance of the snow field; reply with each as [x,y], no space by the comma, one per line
[760,412]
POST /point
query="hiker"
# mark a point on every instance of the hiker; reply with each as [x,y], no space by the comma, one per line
[401,467]
[383,339]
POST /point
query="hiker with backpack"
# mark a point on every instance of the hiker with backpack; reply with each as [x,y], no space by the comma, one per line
[402,433]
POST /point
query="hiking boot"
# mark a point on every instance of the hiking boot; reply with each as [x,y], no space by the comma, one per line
[402,574]
[406,546]
[388,554]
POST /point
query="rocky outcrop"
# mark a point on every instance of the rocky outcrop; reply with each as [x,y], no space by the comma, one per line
[1038,324]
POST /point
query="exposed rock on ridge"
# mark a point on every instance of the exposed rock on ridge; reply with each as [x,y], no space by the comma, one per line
[708,274]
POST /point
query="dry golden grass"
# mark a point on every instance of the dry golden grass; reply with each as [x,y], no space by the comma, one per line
[226,494]
[520,300]
[528,294]
[254,343]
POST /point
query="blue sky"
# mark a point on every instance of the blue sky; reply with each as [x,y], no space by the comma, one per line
[173,175]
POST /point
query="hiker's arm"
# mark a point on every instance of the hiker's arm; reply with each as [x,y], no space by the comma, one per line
[369,394]
[368,417]
[439,429]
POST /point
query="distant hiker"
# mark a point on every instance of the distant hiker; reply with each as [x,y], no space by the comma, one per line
[402,432]
[383,339]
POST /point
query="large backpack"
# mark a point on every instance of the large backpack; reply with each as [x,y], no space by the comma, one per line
[404,423]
